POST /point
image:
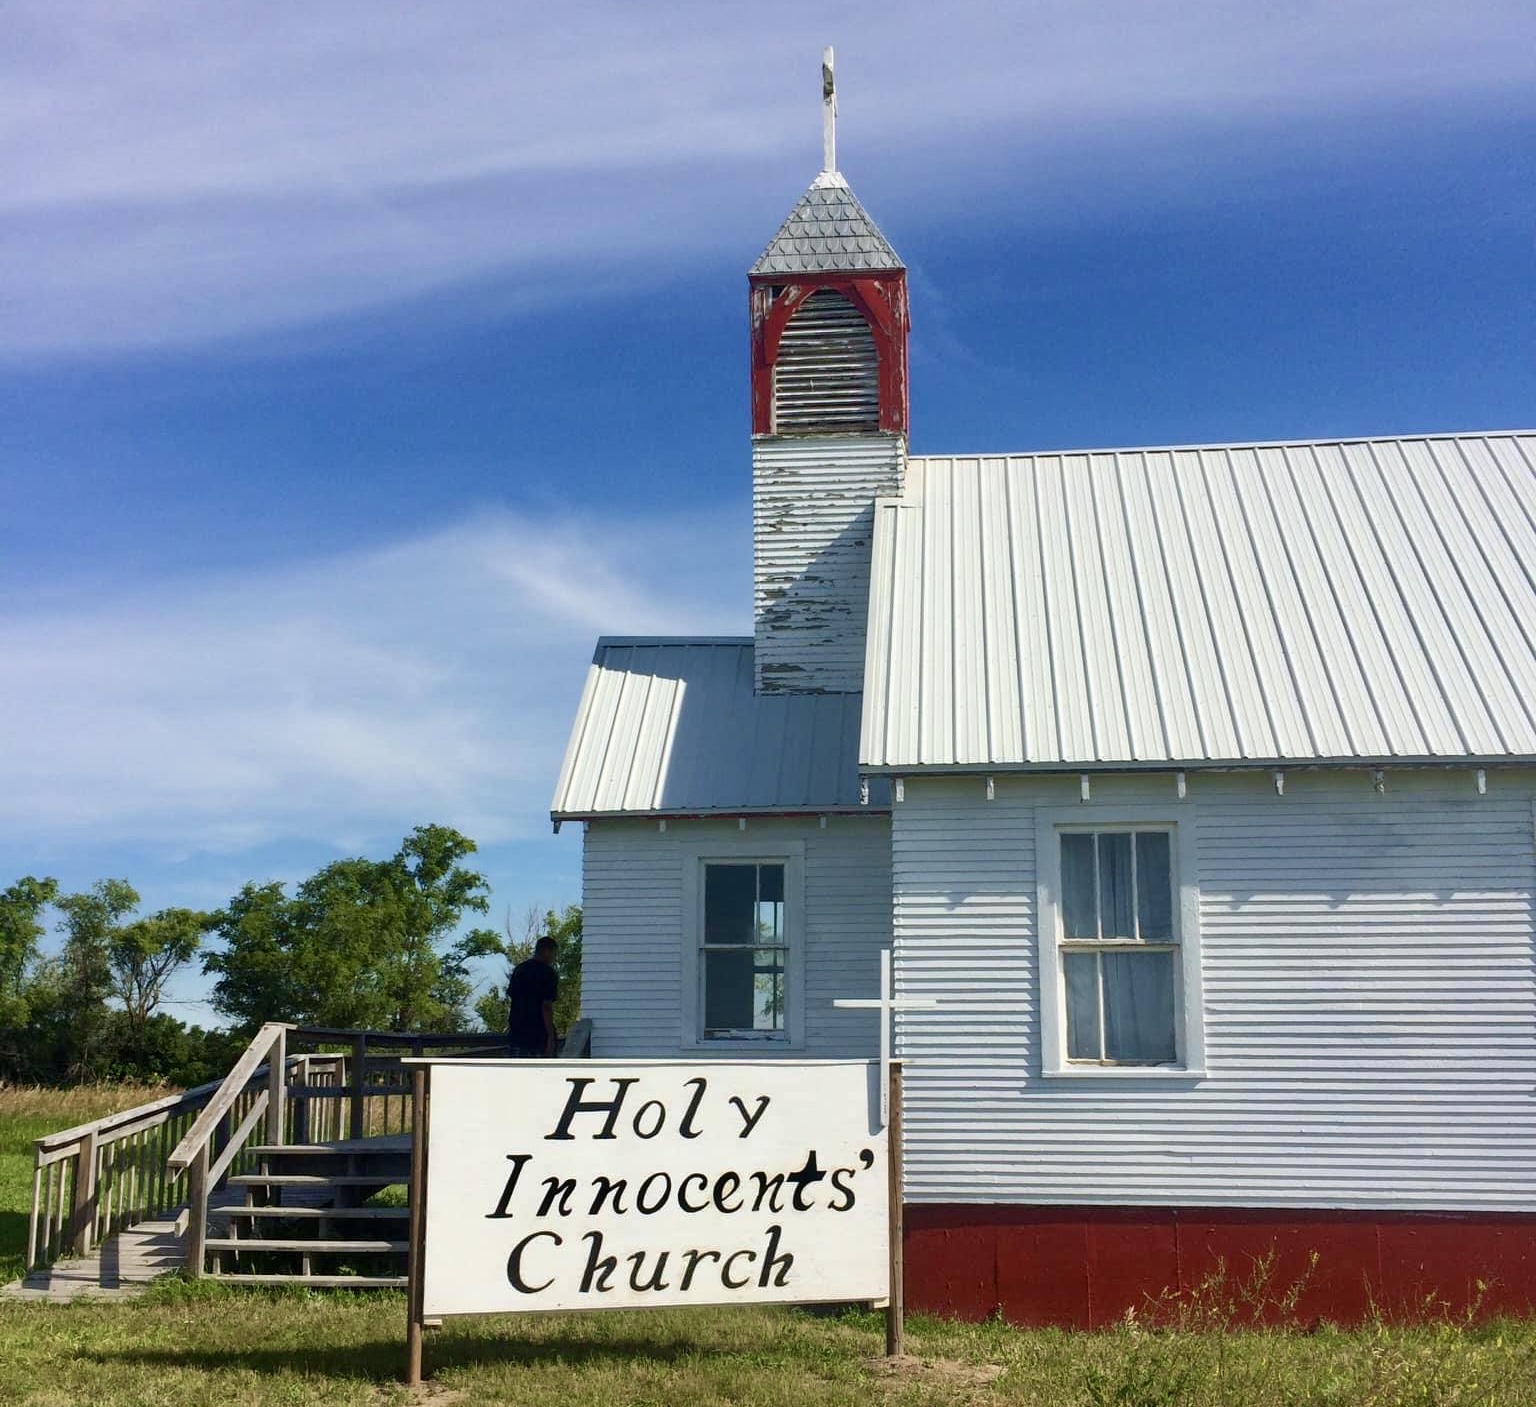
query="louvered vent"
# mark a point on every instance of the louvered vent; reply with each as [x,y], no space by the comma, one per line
[827,376]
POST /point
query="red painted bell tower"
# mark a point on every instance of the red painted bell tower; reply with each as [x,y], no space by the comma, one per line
[829,427]
[878,295]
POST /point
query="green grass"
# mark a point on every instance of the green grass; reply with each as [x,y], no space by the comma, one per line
[203,1343]
[185,1344]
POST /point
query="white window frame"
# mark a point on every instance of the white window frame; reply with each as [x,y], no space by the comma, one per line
[1188,1000]
[743,850]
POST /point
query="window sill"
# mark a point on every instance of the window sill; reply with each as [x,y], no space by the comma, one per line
[738,1046]
[1125,1072]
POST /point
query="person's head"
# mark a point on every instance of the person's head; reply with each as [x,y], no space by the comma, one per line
[545,949]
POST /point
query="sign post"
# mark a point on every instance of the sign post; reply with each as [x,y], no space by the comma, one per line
[896,1300]
[415,1318]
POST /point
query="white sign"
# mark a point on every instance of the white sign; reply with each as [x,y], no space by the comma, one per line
[604,1184]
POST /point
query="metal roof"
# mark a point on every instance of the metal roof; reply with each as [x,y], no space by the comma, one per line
[828,230]
[672,727]
[1339,601]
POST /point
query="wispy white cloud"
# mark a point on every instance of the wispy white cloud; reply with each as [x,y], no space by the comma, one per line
[178,171]
[340,700]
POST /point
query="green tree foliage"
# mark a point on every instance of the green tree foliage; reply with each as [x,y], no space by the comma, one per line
[565,928]
[79,980]
[57,1021]
[21,926]
[361,943]
[144,954]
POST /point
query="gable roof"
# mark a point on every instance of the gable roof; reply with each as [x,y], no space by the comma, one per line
[672,727]
[1340,601]
[828,230]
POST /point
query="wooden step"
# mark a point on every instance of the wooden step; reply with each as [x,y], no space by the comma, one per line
[323,1282]
[392,1167]
[390,1143]
[256,1243]
[377,1213]
[312,1180]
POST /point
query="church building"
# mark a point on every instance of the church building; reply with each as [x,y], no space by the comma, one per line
[1196,784]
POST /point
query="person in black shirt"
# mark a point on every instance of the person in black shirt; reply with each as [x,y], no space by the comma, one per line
[531,997]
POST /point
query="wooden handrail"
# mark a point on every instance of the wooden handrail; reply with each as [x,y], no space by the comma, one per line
[236,1145]
[233,1085]
[124,1118]
[350,1033]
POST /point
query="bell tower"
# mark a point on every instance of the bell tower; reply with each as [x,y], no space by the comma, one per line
[829,426]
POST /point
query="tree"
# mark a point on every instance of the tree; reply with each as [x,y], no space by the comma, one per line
[108,955]
[144,954]
[361,943]
[565,929]
[81,976]
[57,1020]
[21,927]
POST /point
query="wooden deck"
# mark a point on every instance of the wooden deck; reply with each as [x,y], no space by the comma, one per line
[119,1269]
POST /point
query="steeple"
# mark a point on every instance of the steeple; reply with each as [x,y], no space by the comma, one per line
[829,311]
[828,231]
[829,425]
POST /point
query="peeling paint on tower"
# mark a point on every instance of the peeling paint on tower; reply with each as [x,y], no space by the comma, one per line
[813,516]
[829,422]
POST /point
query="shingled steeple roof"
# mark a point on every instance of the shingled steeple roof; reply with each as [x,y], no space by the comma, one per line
[827,231]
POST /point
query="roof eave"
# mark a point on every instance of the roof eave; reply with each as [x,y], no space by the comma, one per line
[841,808]
[1242,764]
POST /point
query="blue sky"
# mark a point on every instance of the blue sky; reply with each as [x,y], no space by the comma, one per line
[357,369]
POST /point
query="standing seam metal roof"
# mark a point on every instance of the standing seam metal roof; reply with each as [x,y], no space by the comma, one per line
[827,231]
[1341,601]
[672,727]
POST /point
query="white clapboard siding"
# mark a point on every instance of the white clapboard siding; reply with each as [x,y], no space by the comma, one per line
[632,926]
[1369,996]
[812,524]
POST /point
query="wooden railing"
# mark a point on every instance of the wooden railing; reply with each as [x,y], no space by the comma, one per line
[174,1153]
[94,1179]
[358,1088]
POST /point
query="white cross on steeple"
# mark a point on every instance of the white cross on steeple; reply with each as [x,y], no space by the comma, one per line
[886,1004]
[828,113]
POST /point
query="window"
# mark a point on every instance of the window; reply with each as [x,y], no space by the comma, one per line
[1119,950]
[744,950]
[743,943]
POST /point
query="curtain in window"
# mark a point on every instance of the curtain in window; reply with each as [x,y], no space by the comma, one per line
[1117,894]
[1138,1006]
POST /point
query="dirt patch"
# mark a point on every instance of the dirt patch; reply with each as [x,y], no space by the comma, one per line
[937,1372]
[427,1395]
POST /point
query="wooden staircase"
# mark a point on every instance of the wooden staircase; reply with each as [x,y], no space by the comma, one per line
[306,1213]
[273,1175]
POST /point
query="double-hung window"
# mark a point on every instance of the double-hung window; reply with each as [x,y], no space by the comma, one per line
[1118,951]
[1121,984]
[743,947]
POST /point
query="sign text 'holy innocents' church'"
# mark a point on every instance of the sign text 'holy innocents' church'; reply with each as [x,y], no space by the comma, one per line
[615,1184]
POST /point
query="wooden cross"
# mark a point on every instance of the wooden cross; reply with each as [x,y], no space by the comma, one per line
[828,113]
[886,1004]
